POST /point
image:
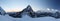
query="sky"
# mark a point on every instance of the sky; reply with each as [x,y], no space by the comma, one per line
[19,5]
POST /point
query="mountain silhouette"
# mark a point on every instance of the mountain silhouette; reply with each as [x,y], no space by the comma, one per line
[2,12]
[29,11]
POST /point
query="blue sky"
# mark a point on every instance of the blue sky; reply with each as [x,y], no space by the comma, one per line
[18,5]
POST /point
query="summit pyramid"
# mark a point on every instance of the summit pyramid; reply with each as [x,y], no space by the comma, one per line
[28,9]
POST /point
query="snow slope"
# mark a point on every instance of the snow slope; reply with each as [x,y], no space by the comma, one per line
[4,18]
[27,18]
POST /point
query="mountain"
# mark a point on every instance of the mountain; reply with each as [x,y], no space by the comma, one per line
[29,11]
[28,14]
[2,12]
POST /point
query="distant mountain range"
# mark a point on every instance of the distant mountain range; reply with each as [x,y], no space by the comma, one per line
[29,11]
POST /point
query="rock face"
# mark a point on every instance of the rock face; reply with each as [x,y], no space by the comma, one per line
[2,12]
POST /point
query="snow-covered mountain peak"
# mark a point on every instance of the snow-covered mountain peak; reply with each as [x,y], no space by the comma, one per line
[28,9]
